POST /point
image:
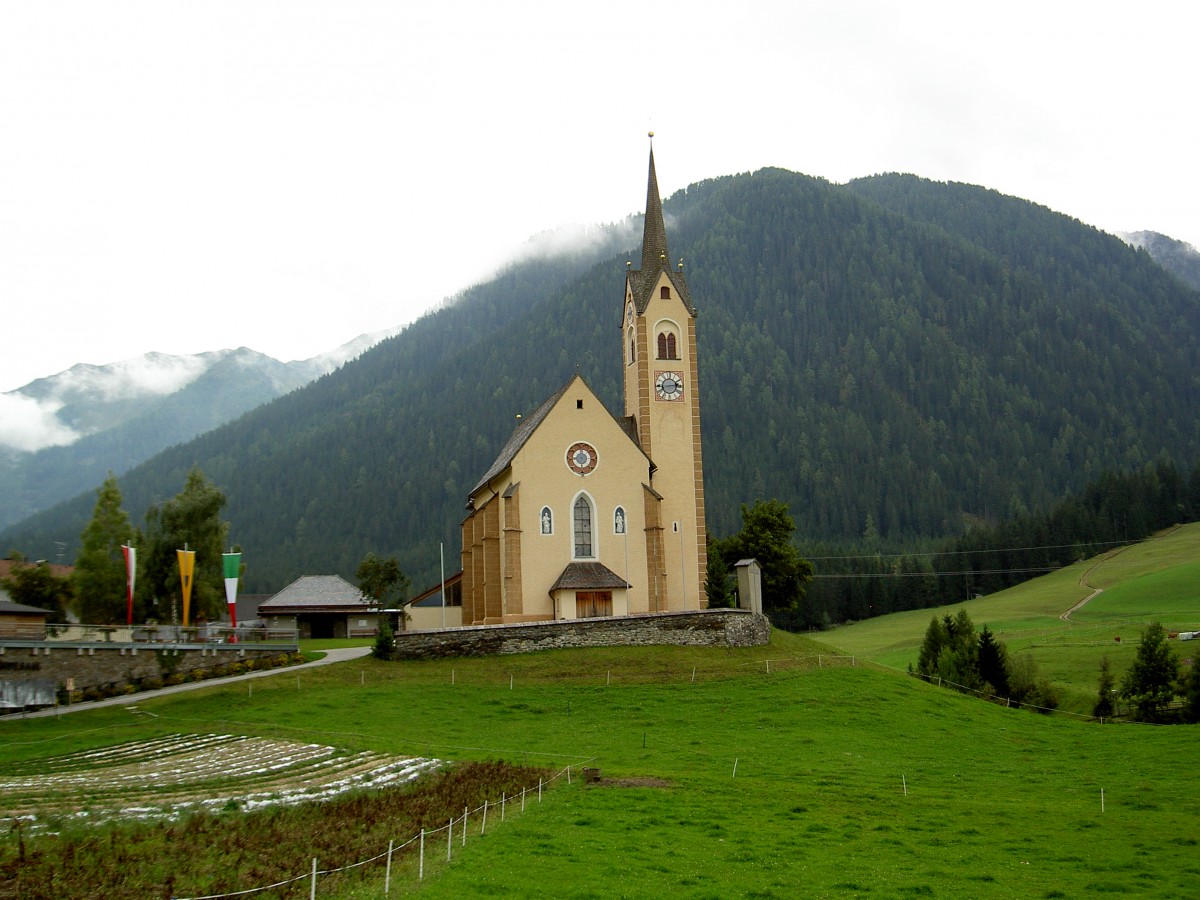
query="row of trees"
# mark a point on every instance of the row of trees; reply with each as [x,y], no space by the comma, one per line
[97,589]
[957,657]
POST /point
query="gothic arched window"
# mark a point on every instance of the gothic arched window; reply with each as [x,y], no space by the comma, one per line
[583,528]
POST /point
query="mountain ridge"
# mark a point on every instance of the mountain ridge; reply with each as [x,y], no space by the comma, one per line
[890,356]
[99,418]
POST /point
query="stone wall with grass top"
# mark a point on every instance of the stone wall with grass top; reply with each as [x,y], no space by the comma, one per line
[702,628]
[106,669]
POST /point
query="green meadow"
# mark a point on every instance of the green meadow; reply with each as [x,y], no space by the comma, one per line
[1155,580]
[779,771]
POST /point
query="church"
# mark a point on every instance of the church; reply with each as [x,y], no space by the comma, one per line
[585,513]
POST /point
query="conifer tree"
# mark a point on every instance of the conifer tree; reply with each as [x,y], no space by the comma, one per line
[100,576]
[1150,682]
[1189,686]
[993,663]
[931,647]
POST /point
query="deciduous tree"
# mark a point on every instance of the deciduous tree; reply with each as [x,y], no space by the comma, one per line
[381,579]
[766,535]
[35,585]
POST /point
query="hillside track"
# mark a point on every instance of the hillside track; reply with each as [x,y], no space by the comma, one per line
[1106,558]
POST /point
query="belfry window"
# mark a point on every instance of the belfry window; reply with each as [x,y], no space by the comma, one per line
[583,528]
[666,346]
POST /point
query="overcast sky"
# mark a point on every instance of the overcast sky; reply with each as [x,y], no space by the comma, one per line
[189,176]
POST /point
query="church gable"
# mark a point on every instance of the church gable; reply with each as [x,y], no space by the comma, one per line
[576,442]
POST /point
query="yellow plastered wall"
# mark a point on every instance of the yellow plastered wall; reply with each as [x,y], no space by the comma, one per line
[546,480]
[671,429]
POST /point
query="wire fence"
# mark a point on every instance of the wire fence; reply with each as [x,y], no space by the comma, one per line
[456,831]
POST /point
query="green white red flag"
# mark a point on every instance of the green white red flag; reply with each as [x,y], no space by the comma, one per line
[232,563]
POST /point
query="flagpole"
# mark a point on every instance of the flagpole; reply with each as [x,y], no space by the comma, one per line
[442,557]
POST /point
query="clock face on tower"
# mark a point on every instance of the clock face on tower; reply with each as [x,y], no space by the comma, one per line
[581,458]
[668,385]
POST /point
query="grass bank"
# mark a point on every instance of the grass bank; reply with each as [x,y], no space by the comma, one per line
[773,771]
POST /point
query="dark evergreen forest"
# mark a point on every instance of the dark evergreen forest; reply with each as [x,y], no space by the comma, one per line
[896,359]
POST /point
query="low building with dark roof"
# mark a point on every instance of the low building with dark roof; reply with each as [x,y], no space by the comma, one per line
[321,606]
[21,622]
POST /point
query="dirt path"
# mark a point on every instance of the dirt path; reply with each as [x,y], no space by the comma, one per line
[1108,557]
[342,654]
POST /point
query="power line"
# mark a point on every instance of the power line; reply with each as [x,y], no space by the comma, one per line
[935,574]
[981,550]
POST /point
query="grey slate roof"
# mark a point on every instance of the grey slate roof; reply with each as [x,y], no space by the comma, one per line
[656,256]
[588,576]
[318,593]
[12,607]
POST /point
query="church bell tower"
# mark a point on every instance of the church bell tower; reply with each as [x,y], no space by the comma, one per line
[662,398]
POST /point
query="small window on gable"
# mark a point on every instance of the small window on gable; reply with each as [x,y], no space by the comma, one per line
[664,292]
[579,404]
[667,348]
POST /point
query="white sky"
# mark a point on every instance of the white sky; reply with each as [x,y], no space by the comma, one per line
[188,176]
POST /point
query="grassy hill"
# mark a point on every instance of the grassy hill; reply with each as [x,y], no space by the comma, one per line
[768,772]
[1155,580]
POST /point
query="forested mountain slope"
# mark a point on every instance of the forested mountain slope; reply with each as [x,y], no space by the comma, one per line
[894,354]
[1177,257]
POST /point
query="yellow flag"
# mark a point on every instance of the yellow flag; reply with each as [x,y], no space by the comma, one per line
[187,565]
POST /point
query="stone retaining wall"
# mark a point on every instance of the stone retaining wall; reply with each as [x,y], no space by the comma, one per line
[105,664]
[704,628]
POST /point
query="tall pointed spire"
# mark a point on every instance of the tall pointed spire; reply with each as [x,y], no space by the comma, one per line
[655,256]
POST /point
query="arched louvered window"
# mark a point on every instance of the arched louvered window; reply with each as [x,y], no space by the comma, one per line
[583,528]
[666,346]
